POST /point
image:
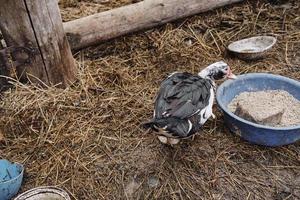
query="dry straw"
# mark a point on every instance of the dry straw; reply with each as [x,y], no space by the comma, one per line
[87,138]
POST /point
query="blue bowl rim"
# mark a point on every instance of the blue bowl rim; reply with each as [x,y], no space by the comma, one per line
[17,177]
[248,75]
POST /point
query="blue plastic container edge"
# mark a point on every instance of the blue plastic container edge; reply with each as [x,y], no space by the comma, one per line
[21,173]
[224,107]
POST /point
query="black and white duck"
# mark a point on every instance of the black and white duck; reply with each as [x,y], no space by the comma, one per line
[184,102]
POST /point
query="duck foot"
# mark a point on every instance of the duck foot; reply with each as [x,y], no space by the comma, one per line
[166,140]
[173,141]
[163,139]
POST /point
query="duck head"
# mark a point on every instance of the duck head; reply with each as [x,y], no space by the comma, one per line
[217,71]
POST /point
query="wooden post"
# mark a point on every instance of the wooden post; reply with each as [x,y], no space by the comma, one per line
[3,70]
[36,26]
[146,14]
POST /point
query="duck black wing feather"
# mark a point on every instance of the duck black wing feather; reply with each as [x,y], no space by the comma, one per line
[182,95]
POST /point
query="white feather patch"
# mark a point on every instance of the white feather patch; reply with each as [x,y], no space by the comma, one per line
[165,114]
[206,113]
[190,126]
[172,74]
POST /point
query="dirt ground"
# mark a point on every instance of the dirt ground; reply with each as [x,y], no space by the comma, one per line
[87,138]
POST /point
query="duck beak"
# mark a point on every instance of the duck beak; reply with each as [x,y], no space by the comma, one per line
[230,75]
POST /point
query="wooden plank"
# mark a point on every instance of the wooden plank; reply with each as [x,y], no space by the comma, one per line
[37,24]
[3,69]
[47,23]
[16,28]
[103,26]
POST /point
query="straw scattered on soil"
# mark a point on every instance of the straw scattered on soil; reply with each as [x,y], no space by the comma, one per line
[262,106]
[87,138]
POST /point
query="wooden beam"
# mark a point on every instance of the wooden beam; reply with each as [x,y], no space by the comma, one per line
[103,26]
[37,25]
[17,31]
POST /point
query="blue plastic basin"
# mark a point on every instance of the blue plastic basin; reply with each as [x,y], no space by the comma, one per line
[252,132]
[11,176]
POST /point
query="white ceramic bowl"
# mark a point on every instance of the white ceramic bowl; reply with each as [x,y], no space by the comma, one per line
[252,48]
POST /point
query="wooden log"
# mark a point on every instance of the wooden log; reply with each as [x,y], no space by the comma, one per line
[57,56]
[37,25]
[17,31]
[3,70]
[103,26]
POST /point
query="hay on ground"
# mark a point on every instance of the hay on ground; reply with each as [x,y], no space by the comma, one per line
[87,138]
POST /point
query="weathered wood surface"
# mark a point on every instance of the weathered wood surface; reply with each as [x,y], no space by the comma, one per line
[37,24]
[103,26]
[17,31]
[57,56]
[3,70]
